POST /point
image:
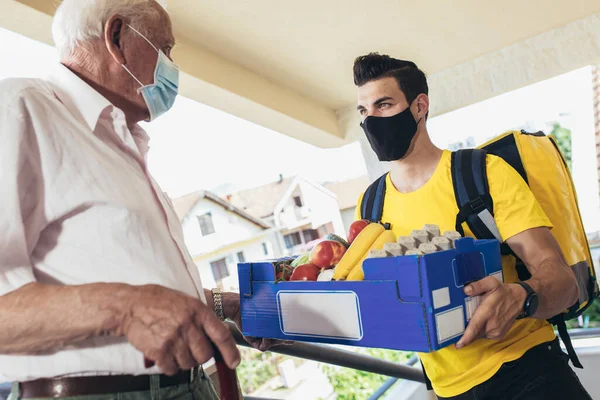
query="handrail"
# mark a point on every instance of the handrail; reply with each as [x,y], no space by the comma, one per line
[392,381]
[576,333]
[343,358]
[581,333]
[257,398]
[348,359]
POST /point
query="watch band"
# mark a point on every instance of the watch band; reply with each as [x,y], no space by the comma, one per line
[526,312]
[218,303]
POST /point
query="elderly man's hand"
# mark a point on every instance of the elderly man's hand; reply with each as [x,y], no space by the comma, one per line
[175,330]
[501,304]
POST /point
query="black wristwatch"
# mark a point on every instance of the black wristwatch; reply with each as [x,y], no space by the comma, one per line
[531,301]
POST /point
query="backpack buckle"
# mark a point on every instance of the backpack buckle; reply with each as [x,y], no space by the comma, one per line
[477,205]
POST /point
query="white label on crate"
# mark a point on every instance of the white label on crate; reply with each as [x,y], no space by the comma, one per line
[449,324]
[471,304]
[498,275]
[328,314]
[441,297]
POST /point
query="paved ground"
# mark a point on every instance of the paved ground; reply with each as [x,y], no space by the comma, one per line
[312,385]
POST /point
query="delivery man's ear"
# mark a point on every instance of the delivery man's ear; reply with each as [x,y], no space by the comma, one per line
[422,106]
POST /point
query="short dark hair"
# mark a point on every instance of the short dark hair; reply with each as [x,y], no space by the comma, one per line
[411,80]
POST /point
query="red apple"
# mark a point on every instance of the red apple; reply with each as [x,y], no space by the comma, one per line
[355,229]
[285,273]
[305,272]
[327,253]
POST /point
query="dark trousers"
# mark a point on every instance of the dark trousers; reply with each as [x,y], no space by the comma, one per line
[542,373]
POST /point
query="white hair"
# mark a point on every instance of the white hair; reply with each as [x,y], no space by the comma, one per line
[79,21]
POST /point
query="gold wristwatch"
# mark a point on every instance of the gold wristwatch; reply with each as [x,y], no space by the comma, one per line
[218,303]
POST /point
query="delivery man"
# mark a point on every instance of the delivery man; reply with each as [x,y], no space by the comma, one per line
[508,350]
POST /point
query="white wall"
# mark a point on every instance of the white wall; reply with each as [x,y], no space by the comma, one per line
[319,207]
[233,234]
[229,228]
[291,216]
[324,207]
[347,219]
[253,251]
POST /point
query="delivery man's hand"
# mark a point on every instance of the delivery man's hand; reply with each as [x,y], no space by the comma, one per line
[501,304]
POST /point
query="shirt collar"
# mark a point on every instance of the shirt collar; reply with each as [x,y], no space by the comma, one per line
[79,97]
[85,102]
[142,140]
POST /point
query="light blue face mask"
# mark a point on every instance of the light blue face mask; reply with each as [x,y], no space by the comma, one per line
[160,95]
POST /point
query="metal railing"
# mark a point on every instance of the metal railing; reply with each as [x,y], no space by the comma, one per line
[343,358]
[392,381]
[575,333]
[582,333]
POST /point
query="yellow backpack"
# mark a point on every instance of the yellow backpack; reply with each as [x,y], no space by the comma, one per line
[537,158]
[540,162]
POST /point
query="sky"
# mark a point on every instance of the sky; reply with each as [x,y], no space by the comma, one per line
[196,147]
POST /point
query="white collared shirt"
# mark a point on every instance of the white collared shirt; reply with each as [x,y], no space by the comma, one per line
[78,206]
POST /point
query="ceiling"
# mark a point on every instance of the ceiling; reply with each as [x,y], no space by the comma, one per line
[287,65]
[309,45]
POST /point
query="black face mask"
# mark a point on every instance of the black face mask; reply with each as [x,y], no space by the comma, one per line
[390,137]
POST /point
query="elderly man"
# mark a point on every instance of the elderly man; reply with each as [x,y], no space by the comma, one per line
[94,274]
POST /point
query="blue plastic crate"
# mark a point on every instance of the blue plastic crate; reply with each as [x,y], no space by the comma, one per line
[405,303]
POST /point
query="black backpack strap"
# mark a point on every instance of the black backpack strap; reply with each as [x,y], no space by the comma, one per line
[475,205]
[559,321]
[371,206]
[476,208]
[427,381]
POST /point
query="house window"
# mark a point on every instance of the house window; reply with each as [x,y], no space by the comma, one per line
[206,224]
[265,249]
[292,239]
[241,257]
[298,201]
[219,269]
[326,229]
[310,235]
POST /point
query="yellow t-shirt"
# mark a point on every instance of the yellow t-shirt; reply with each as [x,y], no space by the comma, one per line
[453,371]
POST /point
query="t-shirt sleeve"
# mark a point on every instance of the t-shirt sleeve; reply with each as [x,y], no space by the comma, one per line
[515,207]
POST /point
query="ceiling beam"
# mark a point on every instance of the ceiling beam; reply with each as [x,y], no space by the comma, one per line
[538,58]
[212,80]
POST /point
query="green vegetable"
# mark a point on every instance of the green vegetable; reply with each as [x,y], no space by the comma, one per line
[336,238]
[302,259]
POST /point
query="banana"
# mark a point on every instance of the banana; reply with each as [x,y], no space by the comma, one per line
[357,273]
[359,247]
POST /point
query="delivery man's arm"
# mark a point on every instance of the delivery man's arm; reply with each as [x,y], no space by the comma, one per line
[551,278]
[526,229]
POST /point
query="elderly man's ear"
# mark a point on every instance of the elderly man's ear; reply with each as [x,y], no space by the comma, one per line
[113,37]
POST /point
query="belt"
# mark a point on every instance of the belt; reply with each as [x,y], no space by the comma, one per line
[98,385]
